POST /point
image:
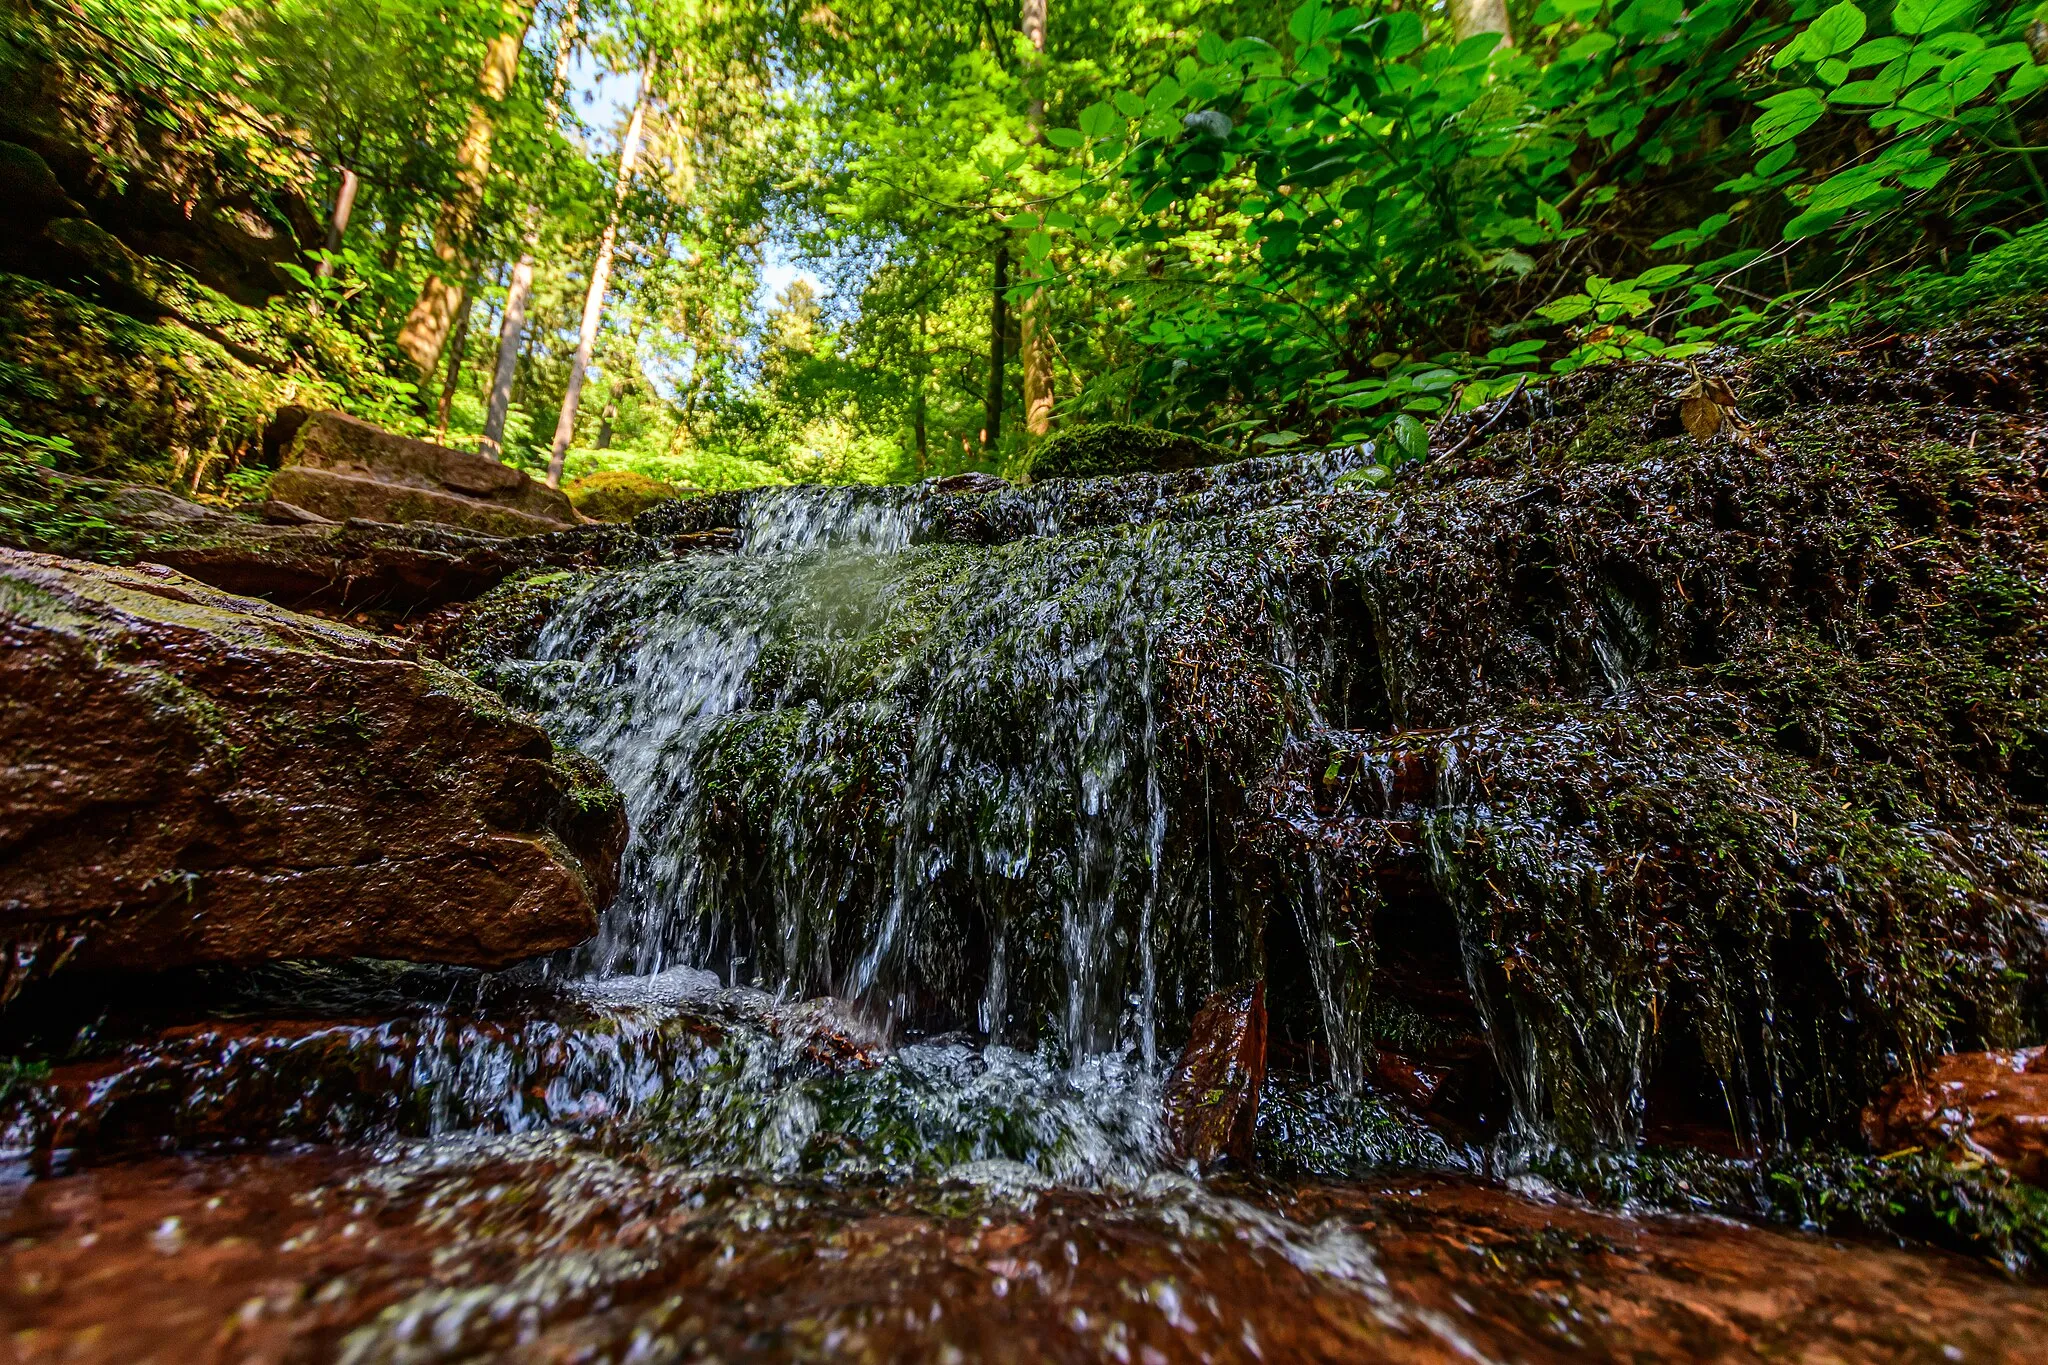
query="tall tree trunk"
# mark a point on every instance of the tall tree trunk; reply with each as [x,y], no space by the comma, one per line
[600,277]
[456,345]
[610,414]
[512,326]
[918,413]
[426,327]
[1469,18]
[1035,343]
[998,328]
[337,222]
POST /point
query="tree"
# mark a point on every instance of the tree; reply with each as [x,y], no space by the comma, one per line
[1035,342]
[600,277]
[426,327]
[1469,18]
[512,325]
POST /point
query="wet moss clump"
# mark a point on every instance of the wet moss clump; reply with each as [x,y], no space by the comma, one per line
[1099,448]
[1977,1210]
[618,494]
[1621,787]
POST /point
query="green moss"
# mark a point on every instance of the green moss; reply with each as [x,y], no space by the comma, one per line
[1980,1211]
[618,494]
[1085,452]
[128,398]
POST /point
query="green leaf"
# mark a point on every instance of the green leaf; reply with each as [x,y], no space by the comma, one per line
[1864,92]
[1925,177]
[1566,309]
[1658,276]
[1834,71]
[1878,51]
[1777,159]
[1794,51]
[1916,17]
[1588,45]
[1845,189]
[1164,94]
[1836,30]
[1786,115]
[1099,120]
[1404,35]
[1408,437]
[1066,138]
[1038,245]
[1811,222]
[1129,104]
[1212,49]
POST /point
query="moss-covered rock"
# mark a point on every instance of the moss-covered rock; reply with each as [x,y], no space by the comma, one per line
[1098,448]
[122,396]
[190,777]
[619,494]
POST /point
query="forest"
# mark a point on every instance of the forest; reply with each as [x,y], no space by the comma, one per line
[1023,680]
[719,245]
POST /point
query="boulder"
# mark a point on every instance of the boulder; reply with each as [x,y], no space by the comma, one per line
[300,560]
[338,467]
[1971,1107]
[1212,1102]
[620,494]
[191,777]
[1098,448]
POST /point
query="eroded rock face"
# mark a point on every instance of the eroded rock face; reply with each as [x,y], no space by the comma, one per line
[191,777]
[1212,1103]
[1989,1107]
[340,467]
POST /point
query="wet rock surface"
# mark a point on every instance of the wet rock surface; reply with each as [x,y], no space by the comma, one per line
[542,1249]
[341,467]
[1602,782]
[1989,1107]
[1606,805]
[1212,1099]
[195,777]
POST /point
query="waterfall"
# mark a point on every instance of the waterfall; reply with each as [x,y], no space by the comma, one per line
[858,764]
[873,755]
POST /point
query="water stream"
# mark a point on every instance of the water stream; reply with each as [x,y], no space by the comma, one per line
[947,810]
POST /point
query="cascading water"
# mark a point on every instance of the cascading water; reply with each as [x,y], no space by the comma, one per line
[901,772]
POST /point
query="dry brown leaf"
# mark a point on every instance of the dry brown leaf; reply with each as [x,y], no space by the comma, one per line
[1707,407]
[1703,417]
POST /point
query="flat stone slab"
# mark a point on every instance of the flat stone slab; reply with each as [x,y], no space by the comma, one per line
[338,467]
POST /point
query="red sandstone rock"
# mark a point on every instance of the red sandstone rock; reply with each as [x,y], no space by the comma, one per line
[339,467]
[1212,1102]
[191,777]
[1990,1107]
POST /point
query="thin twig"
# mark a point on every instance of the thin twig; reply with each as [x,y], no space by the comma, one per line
[1491,422]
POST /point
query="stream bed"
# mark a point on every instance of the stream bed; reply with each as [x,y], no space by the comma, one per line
[1574,817]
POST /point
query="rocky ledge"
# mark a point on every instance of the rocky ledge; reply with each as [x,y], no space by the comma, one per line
[191,777]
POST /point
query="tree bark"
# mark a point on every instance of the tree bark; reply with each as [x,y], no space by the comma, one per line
[1469,18]
[998,327]
[456,345]
[426,327]
[600,277]
[918,412]
[1035,341]
[512,327]
[337,223]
